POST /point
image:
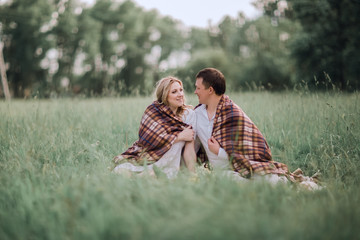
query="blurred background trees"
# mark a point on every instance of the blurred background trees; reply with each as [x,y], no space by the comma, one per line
[328,45]
[64,47]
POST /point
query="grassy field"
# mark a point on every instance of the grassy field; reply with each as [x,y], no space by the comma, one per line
[55,182]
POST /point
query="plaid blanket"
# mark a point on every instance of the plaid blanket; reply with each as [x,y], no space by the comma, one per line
[247,148]
[159,128]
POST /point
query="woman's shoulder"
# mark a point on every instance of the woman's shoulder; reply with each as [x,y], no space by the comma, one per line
[189,113]
[152,105]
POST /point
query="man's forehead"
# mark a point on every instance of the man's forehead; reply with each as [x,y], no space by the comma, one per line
[199,81]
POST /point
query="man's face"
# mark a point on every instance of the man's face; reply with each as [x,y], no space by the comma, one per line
[201,91]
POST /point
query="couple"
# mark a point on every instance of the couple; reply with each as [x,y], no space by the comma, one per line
[217,132]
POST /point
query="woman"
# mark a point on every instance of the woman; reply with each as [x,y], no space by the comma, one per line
[166,133]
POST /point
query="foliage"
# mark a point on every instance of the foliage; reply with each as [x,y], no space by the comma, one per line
[327,46]
[202,59]
[66,48]
[251,54]
[25,43]
[97,50]
[55,182]
[263,55]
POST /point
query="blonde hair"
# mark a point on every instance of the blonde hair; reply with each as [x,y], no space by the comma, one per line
[162,91]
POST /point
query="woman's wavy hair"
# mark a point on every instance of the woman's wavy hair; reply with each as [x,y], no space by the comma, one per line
[162,91]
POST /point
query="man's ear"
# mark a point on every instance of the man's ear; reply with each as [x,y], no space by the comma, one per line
[211,90]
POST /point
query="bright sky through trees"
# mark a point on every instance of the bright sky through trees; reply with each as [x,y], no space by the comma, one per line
[199,12]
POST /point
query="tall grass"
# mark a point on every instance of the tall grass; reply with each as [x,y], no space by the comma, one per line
[55,182]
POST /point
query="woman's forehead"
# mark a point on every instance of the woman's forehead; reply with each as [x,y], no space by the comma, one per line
[175,85]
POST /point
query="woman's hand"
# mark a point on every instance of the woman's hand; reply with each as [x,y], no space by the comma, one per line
[186,135]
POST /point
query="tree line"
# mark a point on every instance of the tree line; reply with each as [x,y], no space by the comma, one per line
[65,47]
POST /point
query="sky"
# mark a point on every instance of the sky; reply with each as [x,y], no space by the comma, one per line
[197,12]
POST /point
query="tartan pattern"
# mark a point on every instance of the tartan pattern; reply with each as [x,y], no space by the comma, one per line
[248,150]
[158,130]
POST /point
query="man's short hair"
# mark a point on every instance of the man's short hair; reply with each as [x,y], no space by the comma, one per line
[213,78]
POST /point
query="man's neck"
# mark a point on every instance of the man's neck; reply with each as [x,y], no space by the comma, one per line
[213,102]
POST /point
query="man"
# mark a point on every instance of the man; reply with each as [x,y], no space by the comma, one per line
[228,136]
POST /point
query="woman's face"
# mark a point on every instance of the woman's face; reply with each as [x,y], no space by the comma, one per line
[175,97]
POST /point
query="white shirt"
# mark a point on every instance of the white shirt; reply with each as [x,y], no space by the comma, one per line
[204,128]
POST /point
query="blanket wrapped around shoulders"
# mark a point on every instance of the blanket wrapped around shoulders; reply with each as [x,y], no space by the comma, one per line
[158,130]
[247,148]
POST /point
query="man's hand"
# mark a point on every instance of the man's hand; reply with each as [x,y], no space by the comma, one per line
[214,146]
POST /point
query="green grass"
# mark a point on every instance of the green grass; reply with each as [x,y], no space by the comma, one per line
[55,182]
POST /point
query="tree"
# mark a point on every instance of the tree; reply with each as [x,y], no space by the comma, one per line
[135,35]
[215,58]
[259,48]
[26,43]
[68,37]
[327,46]
[274,9]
